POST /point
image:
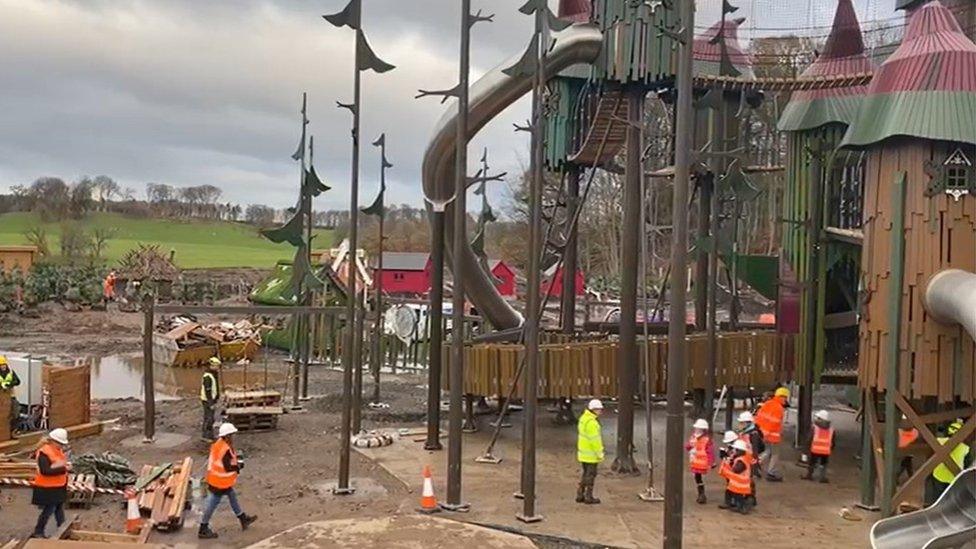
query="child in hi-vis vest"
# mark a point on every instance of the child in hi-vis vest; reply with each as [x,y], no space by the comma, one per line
[701,455]
[821,444]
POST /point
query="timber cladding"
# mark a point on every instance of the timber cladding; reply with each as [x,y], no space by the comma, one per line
[937,360]
[589,369]
[69,393]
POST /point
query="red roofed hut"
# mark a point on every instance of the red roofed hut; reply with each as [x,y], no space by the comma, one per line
[915,127]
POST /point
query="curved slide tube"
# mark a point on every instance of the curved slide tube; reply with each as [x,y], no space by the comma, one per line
[950,297]
[949,522]
[489,96]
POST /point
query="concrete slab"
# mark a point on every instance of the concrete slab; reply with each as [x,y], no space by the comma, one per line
[398,532]
[793,513]
[161,440]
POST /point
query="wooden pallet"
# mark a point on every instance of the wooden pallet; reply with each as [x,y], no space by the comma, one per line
[69,535]
[79,498]
[244,399]
[254,418]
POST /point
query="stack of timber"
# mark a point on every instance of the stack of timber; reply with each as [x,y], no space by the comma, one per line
[253,410]
[20,469]
[182,341]
[164,498]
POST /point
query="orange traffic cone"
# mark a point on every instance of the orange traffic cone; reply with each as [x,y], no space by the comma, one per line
[428,503]
[133,520]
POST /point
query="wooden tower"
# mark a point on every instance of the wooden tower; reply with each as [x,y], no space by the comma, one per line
[915,127]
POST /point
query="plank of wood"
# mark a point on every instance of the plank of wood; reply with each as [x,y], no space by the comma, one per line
[73,544]
[104,537]
[64,529]
[181,331]
[255,411]
[31,439]
[179,498]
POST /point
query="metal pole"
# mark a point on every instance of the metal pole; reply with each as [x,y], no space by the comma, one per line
[702,271]
[805,408]
[627,361]
[435,312]
[677,367]
[528,513]
[570,261]
[456,414]
[149,387]
[357,358]
[717,167]
[867,458]
[378,305]
[893,343]
[348,400]
[650,493]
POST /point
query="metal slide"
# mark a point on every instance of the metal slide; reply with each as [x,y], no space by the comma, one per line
[949,522]
[950,297]
[489,96]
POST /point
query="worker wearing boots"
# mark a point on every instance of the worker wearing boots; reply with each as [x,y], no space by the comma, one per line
[769,419]
[209,395]
[51,480]
[589,450]
[727,454]
[701,456]
[820,446]
[222,470]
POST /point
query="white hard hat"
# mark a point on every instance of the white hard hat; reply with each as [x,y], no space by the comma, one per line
[595,404]
[729,437]
[700,424]
[226,429]
[822,415]
[740,445]
[59,435]
[746,417]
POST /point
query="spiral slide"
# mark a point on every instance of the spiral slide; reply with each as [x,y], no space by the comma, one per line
[489,96]
[949,522]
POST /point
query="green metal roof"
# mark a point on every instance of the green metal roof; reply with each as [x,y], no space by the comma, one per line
[937,115]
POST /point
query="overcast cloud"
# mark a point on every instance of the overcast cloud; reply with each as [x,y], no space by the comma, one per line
[188,92]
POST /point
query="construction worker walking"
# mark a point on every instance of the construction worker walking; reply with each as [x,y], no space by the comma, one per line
[769,419]
[589,450]
[701,455]
[51,480]
[942,476]
[222,470]
[209,395]
[9,380]
[820,446]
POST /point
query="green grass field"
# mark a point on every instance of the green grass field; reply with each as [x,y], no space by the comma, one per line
[198,244]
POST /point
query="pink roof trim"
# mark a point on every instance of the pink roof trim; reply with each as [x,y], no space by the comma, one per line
[934,56]
[842,55]
[704,50]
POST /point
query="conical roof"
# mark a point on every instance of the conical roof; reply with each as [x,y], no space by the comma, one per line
[707,50]
[842,55]
[577,10]
[926,88]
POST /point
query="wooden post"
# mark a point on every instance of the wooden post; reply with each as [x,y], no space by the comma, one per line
[867,457]
[815,223]
[149,391]
[893,343]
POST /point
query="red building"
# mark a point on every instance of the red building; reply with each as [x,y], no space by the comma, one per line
[409,273]
[552,282]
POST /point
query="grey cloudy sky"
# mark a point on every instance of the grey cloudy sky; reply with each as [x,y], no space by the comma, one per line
[189,92]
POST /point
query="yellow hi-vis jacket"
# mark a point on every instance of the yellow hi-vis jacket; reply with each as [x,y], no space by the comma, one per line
[589,443]
[942,473]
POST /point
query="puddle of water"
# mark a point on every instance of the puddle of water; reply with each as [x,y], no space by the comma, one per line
[120,376]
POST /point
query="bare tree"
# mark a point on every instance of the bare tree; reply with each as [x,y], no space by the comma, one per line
[98,241]
[105,188]
[260,215]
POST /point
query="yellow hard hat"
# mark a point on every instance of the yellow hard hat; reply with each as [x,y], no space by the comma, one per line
[954,427]
[3,360]
[782,392]
[214,361]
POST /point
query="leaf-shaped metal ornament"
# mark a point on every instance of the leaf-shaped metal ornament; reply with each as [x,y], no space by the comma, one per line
[290,232]
[728,8]
[366,59]
[376,208]
[533,6]
[529,62]
[348,17]
[313,184]
[556,24]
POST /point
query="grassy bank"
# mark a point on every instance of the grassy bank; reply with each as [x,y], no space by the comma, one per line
[198,244]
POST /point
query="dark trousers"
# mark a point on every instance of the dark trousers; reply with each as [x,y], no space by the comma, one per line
[933,489]
[588,479]
[817,461]
[208,420]
[56,509]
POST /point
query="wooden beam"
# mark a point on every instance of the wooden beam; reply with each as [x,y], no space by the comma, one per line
[939,417]
[834,321]
[923,429]
[63,530]
[783,84]
[941,453]
[871,415]
[849,236]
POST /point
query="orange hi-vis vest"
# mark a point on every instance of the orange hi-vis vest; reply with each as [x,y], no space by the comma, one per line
[58,459]
[217,477]
[699,454]
[740,483]
[906,437]
[822,441]
[725,468]
[769,419]
[749,457]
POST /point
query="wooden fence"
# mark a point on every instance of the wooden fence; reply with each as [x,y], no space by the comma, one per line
[589,368]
